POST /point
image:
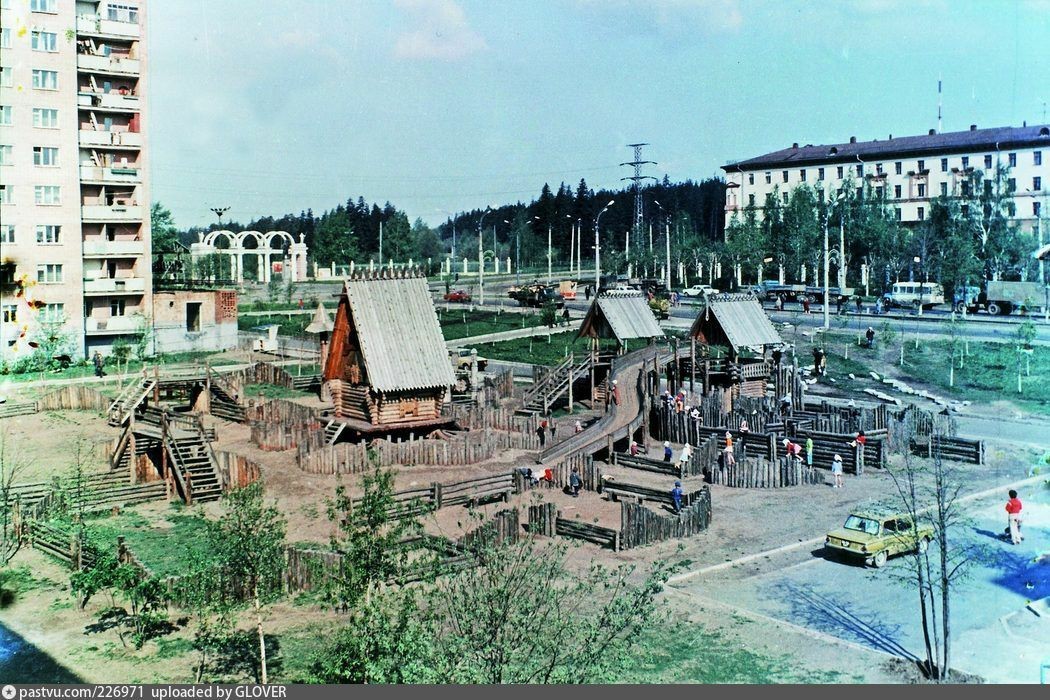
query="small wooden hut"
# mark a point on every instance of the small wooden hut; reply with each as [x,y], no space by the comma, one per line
[621,316]
[387,367]
[736,322]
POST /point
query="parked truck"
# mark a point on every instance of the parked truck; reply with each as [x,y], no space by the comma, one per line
[536,295]
[1001,298]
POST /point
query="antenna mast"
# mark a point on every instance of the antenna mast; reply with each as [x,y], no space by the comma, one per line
[637,178]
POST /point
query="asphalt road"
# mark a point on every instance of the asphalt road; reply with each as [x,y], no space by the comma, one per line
[993,634]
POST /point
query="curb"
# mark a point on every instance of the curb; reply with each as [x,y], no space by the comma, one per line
[816,540]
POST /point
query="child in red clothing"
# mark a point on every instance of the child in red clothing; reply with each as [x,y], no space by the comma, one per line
[1013,514]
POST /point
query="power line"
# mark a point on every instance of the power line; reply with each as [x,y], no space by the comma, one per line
[637,178]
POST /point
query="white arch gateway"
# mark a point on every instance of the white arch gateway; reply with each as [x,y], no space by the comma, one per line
[264,249]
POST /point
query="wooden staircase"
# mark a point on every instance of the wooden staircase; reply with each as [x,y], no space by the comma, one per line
[332,431]
[223,401]
[130,399]
[192,462]
[543,395]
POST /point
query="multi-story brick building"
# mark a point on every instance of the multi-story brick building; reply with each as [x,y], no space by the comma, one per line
[908,171]
[74,185]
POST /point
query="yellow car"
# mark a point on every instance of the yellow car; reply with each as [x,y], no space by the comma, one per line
[875,537]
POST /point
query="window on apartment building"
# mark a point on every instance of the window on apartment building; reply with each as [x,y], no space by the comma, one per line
[785,197]
[44,41]
[897,191]
[1037,209]
[898,167]
[47,194]
[944,165]
[5,115]
[878,168]
[193,316]
[53,313]
[123,13]
[944,189]
[751,200]
[44,118]
[860,193]
[922,165]
[7,78]
[1037,157]
[43,6]
[987,188]
[820,173]
[922,214]
[922,190]
[6,155]
[1012,159]
[898,211]
[45,156]
[6,194]
[10,313]
[750,178]
[839,170]
[117,307]
[769,178]
[860,170]
[965,209]
[7,233]
[5,38]
[48,234]
[1037,183]
[785,175]
[879,191]
[965,162]
[966,189]
[45,79]
[802,175]
[1011,185]
[987,162]
[1011,209]
[50,273]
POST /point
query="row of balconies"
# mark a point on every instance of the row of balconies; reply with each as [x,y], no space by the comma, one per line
[97,248]
[117,174]
[105,213]
[115,285]
[109,64]
[111,324]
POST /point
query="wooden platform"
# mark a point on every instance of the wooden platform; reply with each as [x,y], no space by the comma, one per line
[359,429]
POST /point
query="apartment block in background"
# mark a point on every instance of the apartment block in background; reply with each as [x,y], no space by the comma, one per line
[74,186]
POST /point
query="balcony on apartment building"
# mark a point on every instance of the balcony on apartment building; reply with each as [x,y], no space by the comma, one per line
[116,137]
[114,285]
[112,101]
[113,63]
[112,324]
[102,248]
[95,25]
[116,213]
[116,173]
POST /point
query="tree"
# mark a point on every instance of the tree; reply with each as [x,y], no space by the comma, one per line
[251,543]
[12,464]
[930,490]
[164,234]
[370,539]
[520,616]
[428,245]
[206,594]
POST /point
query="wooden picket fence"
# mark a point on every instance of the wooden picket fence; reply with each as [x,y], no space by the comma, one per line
[753,472]
[491,417]
[239,470]
[280,411]
[277,437]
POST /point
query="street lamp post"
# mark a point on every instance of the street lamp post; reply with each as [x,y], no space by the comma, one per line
[922,267]
[597,258]
[517,255]
[667,245]
[827,266]
[579,248]
[481,258]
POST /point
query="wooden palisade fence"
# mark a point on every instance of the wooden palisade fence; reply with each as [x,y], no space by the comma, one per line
[755,472]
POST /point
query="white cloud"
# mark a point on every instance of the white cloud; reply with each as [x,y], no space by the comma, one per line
[441,31]
[678,15]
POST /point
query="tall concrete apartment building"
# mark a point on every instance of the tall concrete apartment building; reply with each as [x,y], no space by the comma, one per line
[74,185]
[909,171]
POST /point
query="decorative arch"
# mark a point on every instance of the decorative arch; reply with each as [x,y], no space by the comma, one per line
[264,250]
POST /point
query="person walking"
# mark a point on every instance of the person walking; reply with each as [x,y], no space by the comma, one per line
[869,336]
[577,428]
[587,293]
[541,432]
[1013,515]
[667,451]
[728,458]
[805,305]
[565,316]
[780,302]
[860,304]
[633,449]
[99,363]
[554,429]
[809,451]
[615,393]
[683,458]
[676,497]
[575,482]
[836,470]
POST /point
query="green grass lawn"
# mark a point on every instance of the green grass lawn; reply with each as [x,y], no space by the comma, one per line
[167,549]
[460,322]
[289,325]
[272,391]
[687,653]
[86,369]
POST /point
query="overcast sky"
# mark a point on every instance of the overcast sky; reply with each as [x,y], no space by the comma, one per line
[444,105]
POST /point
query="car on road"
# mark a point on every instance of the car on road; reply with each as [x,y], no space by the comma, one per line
[461,360]
[875,536]
[459,295]
[698,290]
